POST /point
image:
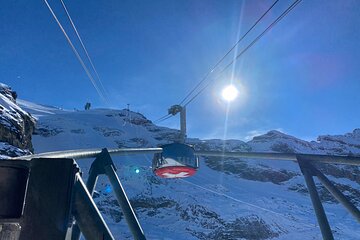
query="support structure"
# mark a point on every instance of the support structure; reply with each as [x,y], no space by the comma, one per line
[88,218]
[309,171]
[183,125]
[341,198]
[175,109]
[306,169]
[103,164]
[41,198]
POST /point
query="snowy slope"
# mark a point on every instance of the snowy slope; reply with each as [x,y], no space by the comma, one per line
[226,199]
[38,110]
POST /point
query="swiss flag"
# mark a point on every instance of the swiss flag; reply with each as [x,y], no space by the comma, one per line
[175,172]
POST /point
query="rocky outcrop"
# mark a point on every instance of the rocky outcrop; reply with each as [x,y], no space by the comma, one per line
[16,125]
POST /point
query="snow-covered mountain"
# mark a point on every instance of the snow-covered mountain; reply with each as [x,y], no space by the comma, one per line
[226,199]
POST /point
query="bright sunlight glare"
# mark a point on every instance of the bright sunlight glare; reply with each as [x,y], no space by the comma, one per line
[229,93]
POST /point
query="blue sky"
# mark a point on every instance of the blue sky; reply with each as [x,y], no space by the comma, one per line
[301,78]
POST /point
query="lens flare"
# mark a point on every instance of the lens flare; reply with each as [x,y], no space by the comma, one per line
[229,93]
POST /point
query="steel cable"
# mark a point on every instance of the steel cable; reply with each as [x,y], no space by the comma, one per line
[230,50]
[76,54]
[83,46]
[291,7]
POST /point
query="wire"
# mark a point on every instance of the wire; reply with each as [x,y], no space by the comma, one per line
[83,45]
[167,118]
[232,48]
[217,64]
[159,119]
[76,53]
[245,203]
[291,7]
[163,118]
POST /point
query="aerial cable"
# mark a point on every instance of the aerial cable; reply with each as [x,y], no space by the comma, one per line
[76,53]
[228,52]
[218,63]
[232,198]
[83,46]
[250,205]
[291,7]
[170,116]
[163,118]
[159,119]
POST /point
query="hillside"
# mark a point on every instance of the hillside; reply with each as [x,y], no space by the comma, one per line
[226,199]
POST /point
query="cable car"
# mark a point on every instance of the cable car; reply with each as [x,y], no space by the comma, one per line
[177,160]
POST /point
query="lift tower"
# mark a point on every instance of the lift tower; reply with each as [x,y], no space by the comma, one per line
[175,109]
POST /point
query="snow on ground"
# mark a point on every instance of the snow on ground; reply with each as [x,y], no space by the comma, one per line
[213,204]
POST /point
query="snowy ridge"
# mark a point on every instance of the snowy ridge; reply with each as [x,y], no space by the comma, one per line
[340,144]
[226,199]
[37,110]
[16,125]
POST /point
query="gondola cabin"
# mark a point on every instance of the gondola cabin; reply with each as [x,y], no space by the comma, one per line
[177,160]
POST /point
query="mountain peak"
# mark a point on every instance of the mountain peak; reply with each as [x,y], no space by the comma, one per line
[271,135]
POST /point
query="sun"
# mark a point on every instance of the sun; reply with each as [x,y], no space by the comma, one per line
[229,93]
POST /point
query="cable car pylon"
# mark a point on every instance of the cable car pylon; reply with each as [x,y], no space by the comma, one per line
[175,109]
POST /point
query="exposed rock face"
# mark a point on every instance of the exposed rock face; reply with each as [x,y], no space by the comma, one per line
[16,125]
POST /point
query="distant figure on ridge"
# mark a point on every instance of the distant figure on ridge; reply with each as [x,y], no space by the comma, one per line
[87,106]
